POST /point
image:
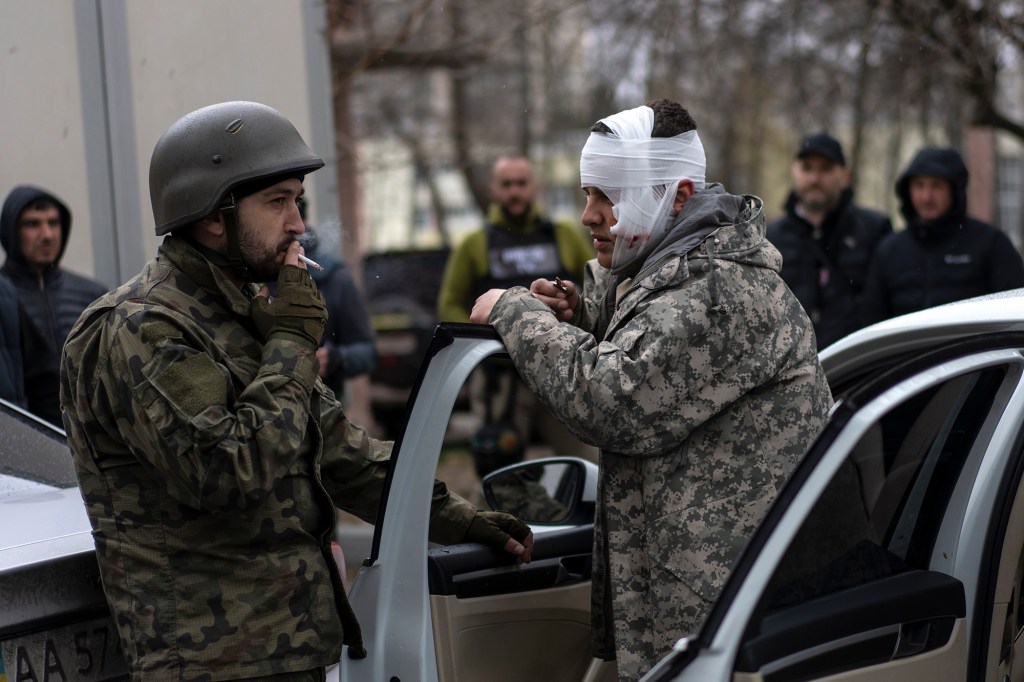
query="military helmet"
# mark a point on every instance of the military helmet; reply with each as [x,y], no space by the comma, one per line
[204,154]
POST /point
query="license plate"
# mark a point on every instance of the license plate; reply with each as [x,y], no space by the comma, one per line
[85,652]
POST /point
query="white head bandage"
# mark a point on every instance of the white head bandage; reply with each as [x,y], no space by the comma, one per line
[639,175]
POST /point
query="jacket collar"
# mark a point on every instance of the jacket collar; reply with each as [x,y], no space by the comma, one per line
[208,276]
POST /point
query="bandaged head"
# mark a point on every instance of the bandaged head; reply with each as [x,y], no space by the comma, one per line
[639,175]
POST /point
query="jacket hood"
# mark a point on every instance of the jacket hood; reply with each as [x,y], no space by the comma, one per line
[939,163]
[20,197]
[705,212]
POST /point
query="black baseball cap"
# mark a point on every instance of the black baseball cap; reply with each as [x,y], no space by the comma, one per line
[823,144]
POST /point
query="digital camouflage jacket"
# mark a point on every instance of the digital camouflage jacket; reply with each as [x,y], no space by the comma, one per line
[703,393]
[211,464]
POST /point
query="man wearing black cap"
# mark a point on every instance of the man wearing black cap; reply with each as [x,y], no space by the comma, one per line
[826,242]
[943,255]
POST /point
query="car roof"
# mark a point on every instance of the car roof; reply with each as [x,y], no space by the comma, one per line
[920,331]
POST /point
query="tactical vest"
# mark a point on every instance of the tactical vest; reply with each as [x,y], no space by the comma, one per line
[516,259]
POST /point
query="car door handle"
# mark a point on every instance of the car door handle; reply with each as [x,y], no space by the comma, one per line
[573,569]
[922,635]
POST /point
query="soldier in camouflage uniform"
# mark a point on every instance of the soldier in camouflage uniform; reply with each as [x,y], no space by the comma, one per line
[688,362]
[210,456]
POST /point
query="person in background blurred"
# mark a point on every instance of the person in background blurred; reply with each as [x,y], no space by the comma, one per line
[35,227]
[827,242]
[12,376]
[943,255]
[348,349]
[516,245]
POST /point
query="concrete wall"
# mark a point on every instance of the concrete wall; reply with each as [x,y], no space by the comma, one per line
[89,86]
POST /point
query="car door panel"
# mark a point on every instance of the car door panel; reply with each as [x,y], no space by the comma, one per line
[912,614]
[901,480]
[939,665]
[534,618]
[464,612]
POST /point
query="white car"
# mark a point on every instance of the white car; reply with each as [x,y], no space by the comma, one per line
[54,620]
[894,552]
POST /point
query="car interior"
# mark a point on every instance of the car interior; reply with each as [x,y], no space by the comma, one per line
[856,594]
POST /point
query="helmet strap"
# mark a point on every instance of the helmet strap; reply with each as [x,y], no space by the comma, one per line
[229,211]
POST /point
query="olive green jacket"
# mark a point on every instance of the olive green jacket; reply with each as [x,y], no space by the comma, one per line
[211,464]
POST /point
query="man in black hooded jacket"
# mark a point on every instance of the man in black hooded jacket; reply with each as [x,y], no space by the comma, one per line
[34,229]
[826,241]
[942,255]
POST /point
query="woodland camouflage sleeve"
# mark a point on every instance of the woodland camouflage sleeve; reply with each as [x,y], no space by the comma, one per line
[179,412]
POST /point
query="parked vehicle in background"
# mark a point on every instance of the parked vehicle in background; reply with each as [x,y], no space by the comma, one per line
[400,288]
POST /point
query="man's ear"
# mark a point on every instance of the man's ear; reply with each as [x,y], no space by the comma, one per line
[684,191]
[211,231]
[213,224]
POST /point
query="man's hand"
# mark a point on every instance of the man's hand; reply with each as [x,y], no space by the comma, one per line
[298,311]
[482,308]
[561,300]
[502,531]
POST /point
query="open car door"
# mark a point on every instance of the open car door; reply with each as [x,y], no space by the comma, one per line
[882,557]
[465,612]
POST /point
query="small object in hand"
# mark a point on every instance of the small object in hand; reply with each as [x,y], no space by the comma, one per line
[310,262]
[561,285]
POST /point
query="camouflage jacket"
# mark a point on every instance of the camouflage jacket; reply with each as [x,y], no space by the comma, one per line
[702,395]
[211,464]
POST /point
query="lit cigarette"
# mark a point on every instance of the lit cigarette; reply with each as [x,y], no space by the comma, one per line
[310,262]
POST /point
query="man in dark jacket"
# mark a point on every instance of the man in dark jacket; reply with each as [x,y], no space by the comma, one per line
[943,255]
[826,242]
[34,230]
[12,379]
[348,349]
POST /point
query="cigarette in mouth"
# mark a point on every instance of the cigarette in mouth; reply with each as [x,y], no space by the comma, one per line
[310,262]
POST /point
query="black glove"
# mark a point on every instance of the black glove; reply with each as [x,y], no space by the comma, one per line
[297,311]
[494,528]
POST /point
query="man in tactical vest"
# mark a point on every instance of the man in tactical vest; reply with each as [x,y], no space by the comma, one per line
[516,246]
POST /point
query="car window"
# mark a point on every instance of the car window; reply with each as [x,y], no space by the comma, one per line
[32,453]
[481,434]
[498,421]
[880,515]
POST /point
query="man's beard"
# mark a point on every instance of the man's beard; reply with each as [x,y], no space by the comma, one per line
[516,212]
[261,263]
[819,201]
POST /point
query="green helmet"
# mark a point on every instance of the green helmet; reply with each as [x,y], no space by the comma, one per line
[203,155]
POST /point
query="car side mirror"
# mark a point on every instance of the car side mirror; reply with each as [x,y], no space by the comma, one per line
[553,491]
